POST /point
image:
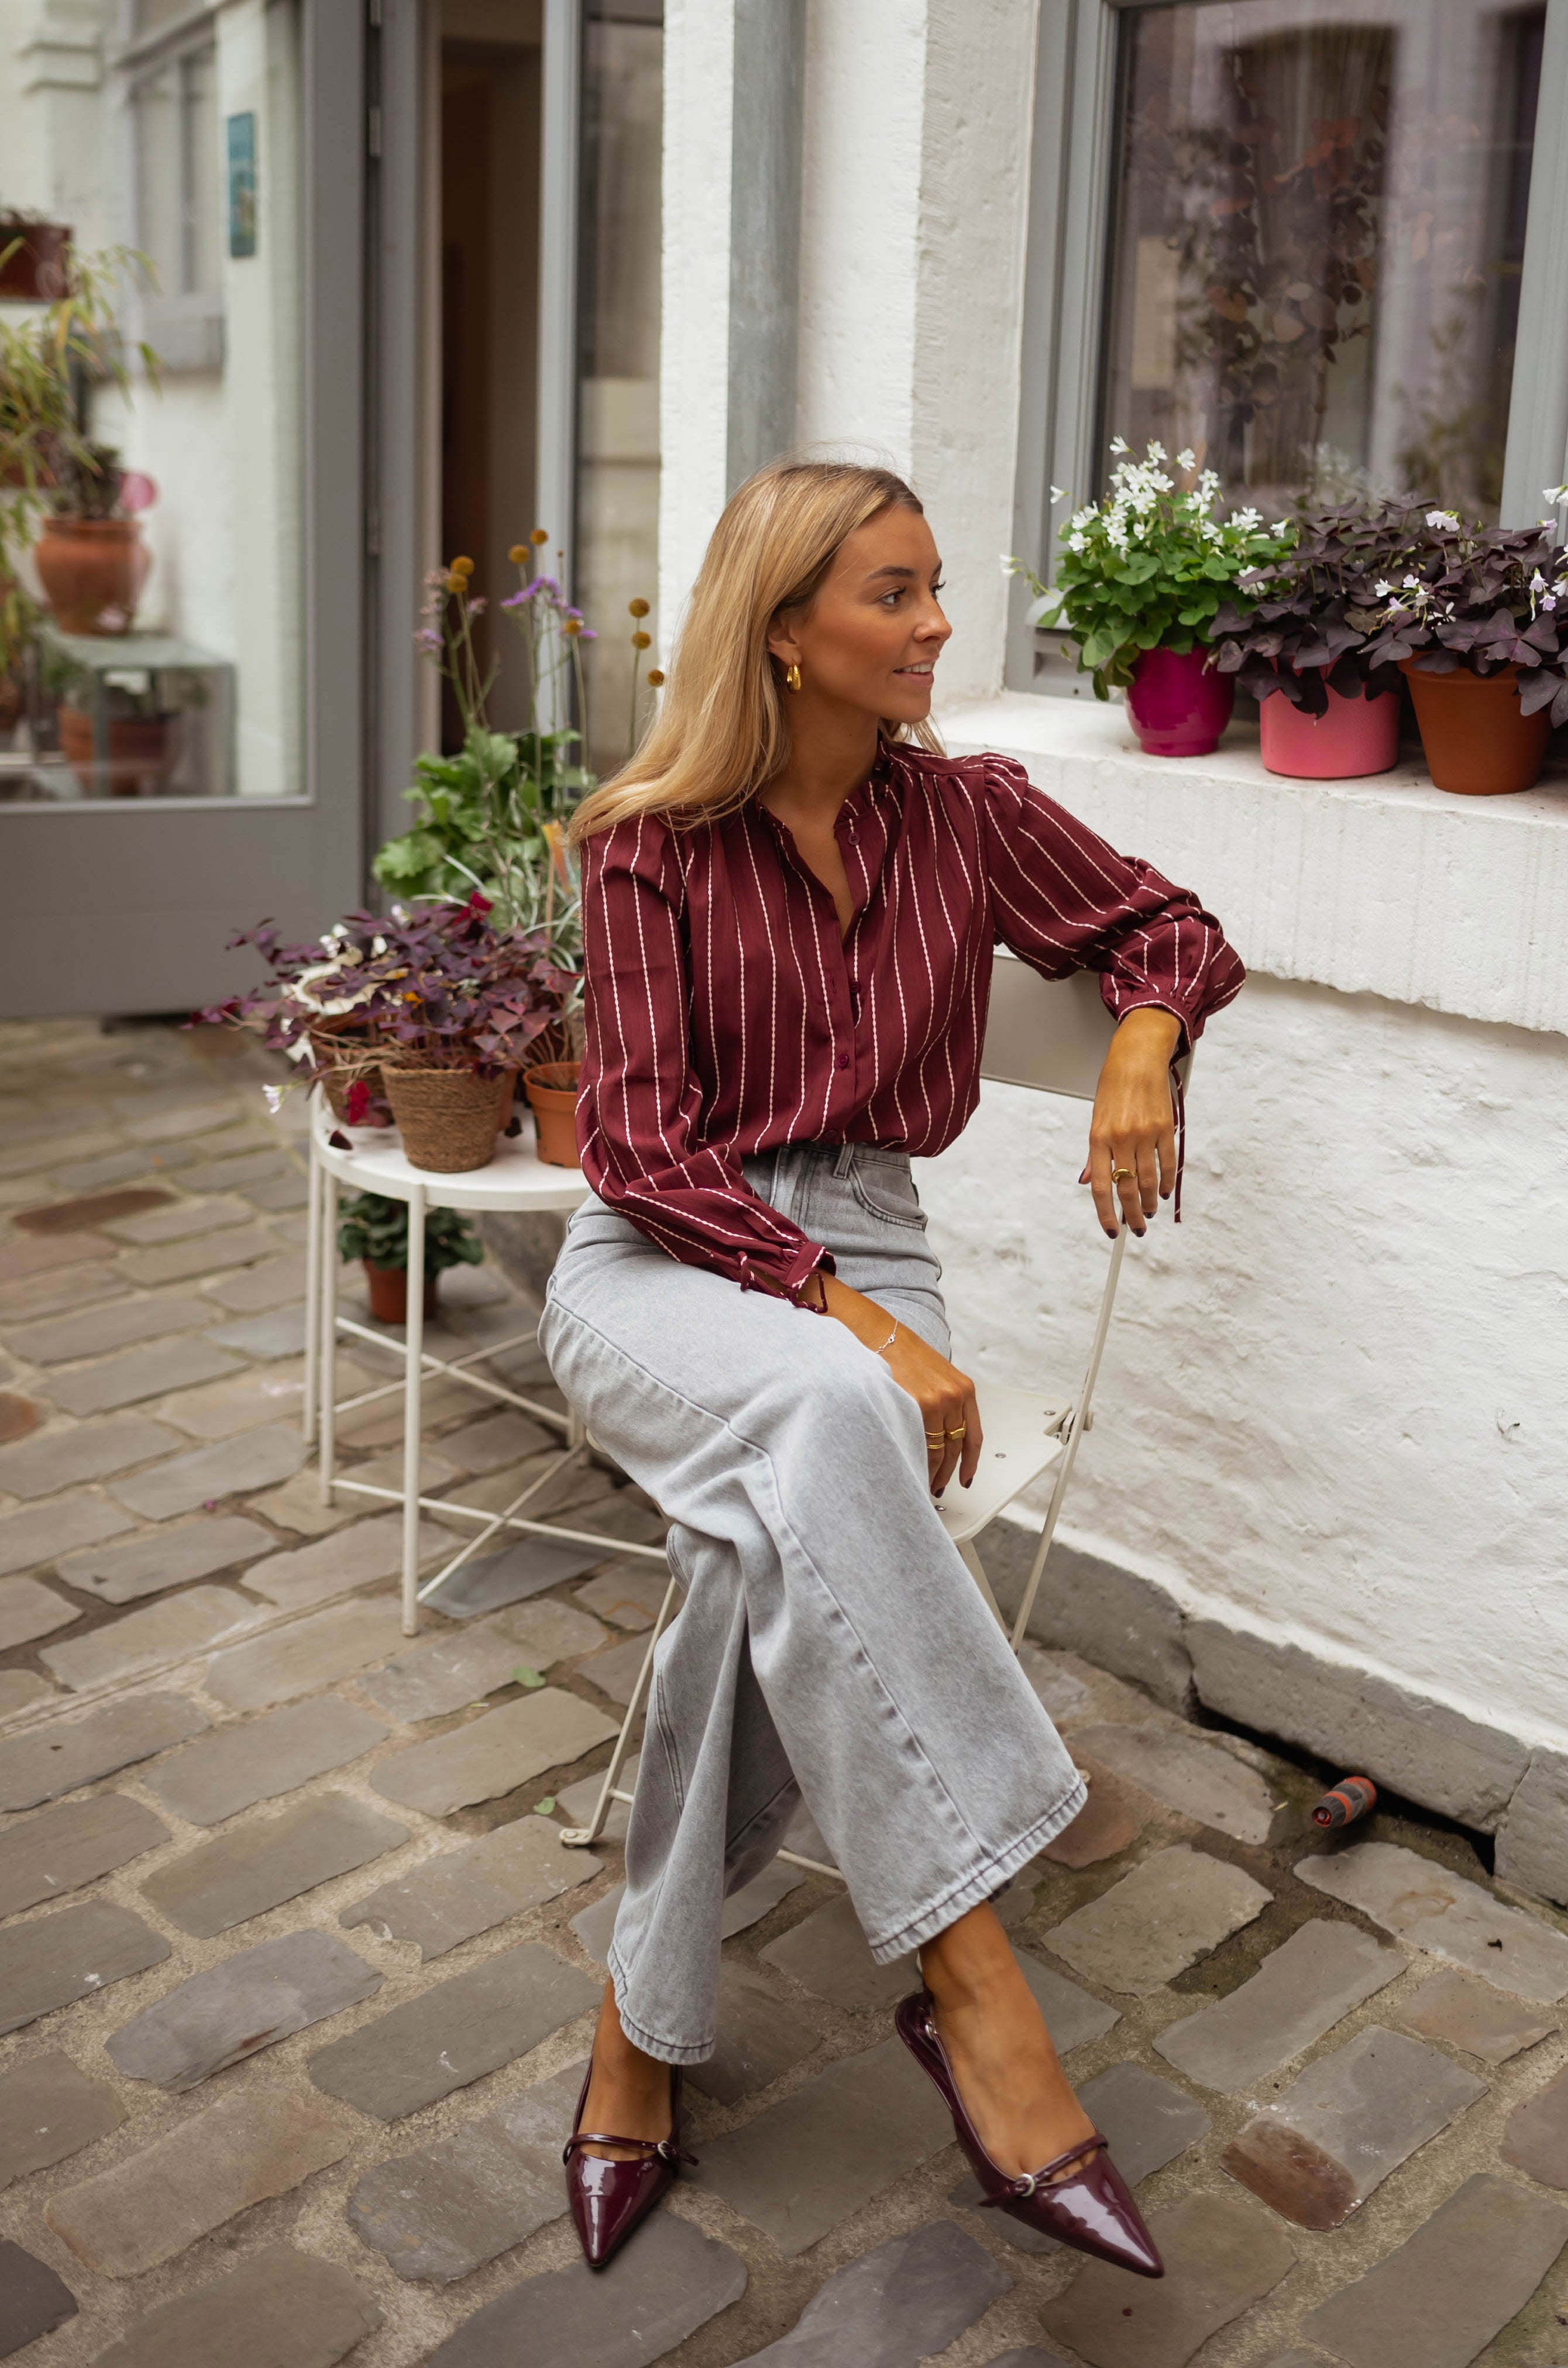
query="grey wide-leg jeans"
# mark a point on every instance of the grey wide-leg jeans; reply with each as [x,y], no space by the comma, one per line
[832,1643]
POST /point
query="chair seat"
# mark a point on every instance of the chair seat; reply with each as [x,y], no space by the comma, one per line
[1022,1438]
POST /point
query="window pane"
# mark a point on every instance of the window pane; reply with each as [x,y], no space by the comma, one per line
[1319,229]
[617,414]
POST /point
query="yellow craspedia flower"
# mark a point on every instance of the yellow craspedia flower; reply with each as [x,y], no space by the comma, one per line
[518,553]
[463,567]
[539,534]
[572,625]
[638,607]
[456,582]
[640,641]
[656,678]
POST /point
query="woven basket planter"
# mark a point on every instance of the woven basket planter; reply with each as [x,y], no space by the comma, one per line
[343,1059]
[447,1118]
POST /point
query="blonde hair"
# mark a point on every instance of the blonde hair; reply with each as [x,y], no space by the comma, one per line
[723,730]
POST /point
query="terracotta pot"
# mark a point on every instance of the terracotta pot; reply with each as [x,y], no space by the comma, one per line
[389,1293]
[447,1118]
[141,753]
[1358,736]
[92,571]
[552,1089]
[34,271]
[1475,741]
[1178,703]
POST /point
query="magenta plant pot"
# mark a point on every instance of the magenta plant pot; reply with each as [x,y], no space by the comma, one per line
[1358,736]
[1178,703]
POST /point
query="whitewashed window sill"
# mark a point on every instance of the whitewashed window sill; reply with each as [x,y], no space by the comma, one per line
[1387,886]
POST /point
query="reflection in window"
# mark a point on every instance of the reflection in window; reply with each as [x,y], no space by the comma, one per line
[1319,232]
[618,337]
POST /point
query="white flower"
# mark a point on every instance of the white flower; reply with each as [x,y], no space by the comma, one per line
[1077,542]
[1549,600]
[1442,517]
[1280,526]
[273,1097]
[1118,444]
[1058,494]
[1410,582]
[1248,519]
[1537,582]
[1187,458]
[1382,588]
[1156,451]
[1555,492]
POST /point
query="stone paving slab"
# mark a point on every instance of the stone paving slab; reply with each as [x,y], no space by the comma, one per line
[1532,1839]
[495,1440]
[1535,2138]
[297,1505]
[147,2208]
[306,1655]
[19,1416]
[525,1569]
[828,1954]
[464,1891]
[61,1849]
[179,1221]
[149,1372]
[895,2307]
[446,1673]
[45,1531]
[280,1334]
[1112,1818]
[88,1451]
[743,1908]
[1317,2152]
[170,1557]
[1298,1993]
[615,1672]
[101,1329]
[807,2162]
[21,1688]
[60,1294]
[576,1804]
[1197,1779]
[655,2293]
[280,2309]
[233,2010]
[221,1775]
[258,1865]
[761,2035]
[256,1459]
[1442,2295]
[257,1290]
[244,1400]
[442,2210]
[1446,1916]
[49,2110]
[202,1254]
[71,1954]
[1483,2022]
[160,1634]
[494,1754]
[628,1595]
[177,1119]
[232,1174]
[454,2032]
[335,1565]
[1148,2123]
[57,1757]
[33,2299]
[1172,1909]
[29,1610]
[1220,2256]
[37,1253]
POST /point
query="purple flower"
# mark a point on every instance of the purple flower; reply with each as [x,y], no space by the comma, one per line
[588,634]
[428,639]
[517,601]
[477,608]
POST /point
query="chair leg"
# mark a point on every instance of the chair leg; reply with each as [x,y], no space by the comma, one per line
[326,1343]
[413,1408]
[584,1837]
[313,1293]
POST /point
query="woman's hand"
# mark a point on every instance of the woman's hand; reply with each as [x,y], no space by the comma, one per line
[1132,1132]
[945,1396]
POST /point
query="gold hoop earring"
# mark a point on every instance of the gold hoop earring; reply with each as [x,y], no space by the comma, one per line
[792,677]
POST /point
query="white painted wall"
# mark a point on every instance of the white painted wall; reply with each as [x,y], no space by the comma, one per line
[1333,1407]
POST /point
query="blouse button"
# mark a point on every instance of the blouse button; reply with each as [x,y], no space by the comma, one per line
[843,1060]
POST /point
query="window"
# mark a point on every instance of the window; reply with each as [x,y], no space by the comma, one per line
[1291,234]
[178,205]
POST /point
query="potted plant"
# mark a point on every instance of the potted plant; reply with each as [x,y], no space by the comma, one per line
[1300,637]
[35,258]
[463,1002]
[90,558]
[1477,626]
[295,1012]
[1139,580]
[374,1229]
[143,725]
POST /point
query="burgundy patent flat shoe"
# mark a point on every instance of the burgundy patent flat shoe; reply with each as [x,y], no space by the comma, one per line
[1090,2209]
[609,2199]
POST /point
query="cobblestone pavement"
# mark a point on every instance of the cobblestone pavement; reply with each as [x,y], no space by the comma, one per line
[300,1978]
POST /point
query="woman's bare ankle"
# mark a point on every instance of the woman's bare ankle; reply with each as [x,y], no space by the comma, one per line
[628,2090]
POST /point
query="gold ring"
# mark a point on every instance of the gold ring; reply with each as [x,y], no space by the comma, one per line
[935,1438]
[956,1434]
[1119,1175]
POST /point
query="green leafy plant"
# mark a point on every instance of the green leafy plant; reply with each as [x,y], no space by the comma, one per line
[376,1229]
[1306,624]
[1148,568]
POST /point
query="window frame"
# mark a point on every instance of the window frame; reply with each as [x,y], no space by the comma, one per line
[1066,287]
[184,325]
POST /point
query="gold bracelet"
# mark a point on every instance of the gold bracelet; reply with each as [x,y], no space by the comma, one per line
[887,1344]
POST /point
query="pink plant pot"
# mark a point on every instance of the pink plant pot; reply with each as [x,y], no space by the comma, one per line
[1178,703]
[1358,736]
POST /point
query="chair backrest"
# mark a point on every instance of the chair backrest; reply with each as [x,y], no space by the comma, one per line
[1050,1033]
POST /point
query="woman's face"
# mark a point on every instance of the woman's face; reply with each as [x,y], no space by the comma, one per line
[875,630]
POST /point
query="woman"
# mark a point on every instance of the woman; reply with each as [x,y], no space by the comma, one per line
[790,902]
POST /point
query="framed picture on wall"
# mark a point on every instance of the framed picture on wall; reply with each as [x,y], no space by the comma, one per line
[240,131]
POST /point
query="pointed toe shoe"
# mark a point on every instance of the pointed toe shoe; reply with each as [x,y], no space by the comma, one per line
[1089,2208]
[609,2199]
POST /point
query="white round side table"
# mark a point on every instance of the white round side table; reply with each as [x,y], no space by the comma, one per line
[516,1178]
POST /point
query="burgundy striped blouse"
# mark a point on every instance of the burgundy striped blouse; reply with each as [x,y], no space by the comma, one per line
[726,1015]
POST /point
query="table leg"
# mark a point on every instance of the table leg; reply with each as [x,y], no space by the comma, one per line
[313,1294]
[413,1353]
[326,1352]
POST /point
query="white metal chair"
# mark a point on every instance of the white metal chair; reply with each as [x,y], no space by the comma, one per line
[1051,1035]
